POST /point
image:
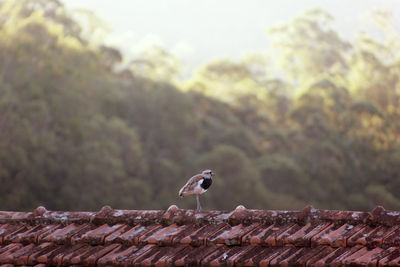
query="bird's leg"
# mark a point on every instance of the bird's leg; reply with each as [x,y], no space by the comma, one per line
[198,203]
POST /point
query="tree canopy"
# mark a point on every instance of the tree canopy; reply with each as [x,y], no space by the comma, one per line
[81,128]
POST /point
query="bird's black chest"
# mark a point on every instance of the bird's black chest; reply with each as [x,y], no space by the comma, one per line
[206,183]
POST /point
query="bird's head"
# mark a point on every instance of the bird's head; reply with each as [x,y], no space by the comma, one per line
[207,173]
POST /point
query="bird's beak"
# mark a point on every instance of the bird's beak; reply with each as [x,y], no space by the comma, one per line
[213,173]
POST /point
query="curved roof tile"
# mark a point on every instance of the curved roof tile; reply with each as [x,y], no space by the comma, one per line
[242,237]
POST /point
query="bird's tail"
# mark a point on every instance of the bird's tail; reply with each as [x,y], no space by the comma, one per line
[181,193]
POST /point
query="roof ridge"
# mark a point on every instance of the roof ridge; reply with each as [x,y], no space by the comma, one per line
[174,215]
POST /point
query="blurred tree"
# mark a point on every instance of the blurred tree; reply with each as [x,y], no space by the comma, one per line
[309,47]
[229,81]
[156,64]
[80,128]
[52,10]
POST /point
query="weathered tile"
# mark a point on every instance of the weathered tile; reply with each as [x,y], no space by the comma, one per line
[117,233]
[392,257]
[177,237]
[56,257]
[7,252]
[283,258]
[53,256]
[196,256]
[370,236]
[199,236]
[267,235]
[97,235]
[364,257]
[393,238]
[336,235]
[20,256]
[137,234]
[161,257]
[43,232]
[336,258]
[26,236]
[230,256]
[252,255]
[165,235]
[10,231]
[232,236]
[63,235]
[301,235]
[321,254]
[90,257]
[40,249]
[268,257]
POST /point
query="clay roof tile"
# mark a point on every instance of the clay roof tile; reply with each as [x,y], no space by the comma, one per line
[244,237]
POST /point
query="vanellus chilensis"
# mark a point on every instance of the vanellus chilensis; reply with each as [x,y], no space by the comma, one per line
[197,185]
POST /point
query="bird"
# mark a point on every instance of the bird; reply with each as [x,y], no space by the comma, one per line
[197,185]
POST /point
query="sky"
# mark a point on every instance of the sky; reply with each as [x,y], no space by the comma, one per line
[199,31]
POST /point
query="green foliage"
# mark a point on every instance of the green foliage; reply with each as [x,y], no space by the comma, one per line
[309,47]
[157,64]
[78,132]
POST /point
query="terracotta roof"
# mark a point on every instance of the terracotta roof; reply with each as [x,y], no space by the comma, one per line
[242,237]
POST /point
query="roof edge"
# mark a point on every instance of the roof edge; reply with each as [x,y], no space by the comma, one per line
[174,215]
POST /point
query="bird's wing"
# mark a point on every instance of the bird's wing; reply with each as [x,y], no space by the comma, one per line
[188,188]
